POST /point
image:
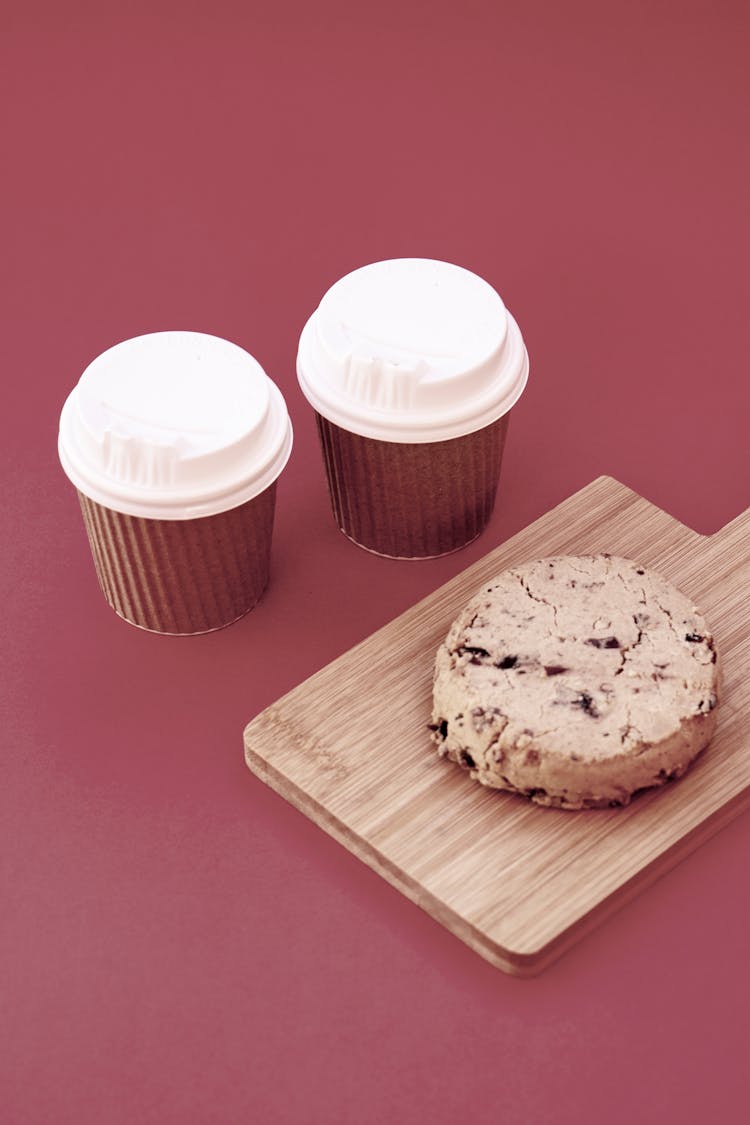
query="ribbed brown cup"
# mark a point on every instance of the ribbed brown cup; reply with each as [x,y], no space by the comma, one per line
[412,501]
[182,576]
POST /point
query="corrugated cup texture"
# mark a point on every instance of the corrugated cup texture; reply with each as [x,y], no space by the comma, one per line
[182,576]
[412,501]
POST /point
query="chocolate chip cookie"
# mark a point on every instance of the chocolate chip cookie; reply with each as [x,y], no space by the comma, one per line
[576,681]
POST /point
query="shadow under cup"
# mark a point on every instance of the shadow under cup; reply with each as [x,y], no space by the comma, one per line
[412,500]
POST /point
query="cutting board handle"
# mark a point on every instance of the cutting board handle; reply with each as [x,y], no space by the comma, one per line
[737,529]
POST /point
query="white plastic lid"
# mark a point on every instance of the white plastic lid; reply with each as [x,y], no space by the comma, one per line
[174,425]
[412,350]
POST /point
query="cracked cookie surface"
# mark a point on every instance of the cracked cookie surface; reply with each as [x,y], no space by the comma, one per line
[576,681]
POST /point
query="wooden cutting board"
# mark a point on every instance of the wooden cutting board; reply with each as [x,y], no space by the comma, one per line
[517,883]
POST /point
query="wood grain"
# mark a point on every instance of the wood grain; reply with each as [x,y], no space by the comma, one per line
[516,882]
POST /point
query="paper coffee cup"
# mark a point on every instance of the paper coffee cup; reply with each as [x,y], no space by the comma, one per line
[412,367]
[174,442]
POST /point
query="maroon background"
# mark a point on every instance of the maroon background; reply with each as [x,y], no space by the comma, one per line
[176,943]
